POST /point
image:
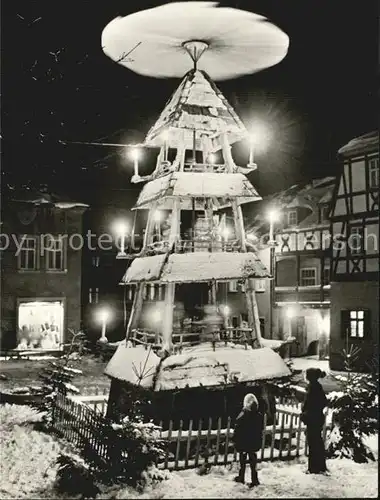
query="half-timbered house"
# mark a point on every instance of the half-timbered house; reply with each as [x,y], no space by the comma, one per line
[296,302]
[355,254]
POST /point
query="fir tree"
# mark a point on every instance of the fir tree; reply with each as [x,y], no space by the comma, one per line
[355,412]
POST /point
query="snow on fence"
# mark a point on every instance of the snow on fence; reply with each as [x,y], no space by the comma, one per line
[81,418]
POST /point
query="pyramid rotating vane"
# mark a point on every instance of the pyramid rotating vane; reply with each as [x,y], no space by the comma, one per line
[223,43]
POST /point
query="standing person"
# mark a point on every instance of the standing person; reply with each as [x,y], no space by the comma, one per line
[247,437]
[313,416]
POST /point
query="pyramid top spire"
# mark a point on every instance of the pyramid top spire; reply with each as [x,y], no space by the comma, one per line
[197,108]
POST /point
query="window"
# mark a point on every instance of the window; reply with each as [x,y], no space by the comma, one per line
[93,295]
[356,240]
[324,210]
[292,218]
[55,254]
[326,275]
[308,276]
[232,286]
[27,257]
[356,327]
[96,261]
[374,173]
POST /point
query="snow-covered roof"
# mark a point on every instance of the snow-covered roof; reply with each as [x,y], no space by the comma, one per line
[188,185]
[309,195]
[363,144]
[198,105]
[195,267]
[131,363]
[43,198]
[196,366]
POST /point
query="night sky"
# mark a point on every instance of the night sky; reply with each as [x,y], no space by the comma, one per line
[59,86]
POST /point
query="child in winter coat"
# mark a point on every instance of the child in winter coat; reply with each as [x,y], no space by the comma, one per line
[248,437]
[312,415]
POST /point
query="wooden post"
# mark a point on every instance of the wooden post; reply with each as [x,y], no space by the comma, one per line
[209,216]
[192,222]
[167,327]
[136,309]
[149,227]
[174,228]
[194,146]
[226,148]
[213,292]
[239,224]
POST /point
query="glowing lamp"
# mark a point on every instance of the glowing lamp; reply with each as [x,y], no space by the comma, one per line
[157,215]
[226,233]
[273,216]
[121,229]
[226,310]
[156,316]
[212,158]
[103,315]
[135,156]
[290,312]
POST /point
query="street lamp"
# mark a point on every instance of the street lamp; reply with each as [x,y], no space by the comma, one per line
[103,317]
[135,156]
[273,216]
[121,229]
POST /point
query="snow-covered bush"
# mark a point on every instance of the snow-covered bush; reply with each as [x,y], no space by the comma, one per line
[133,450]
[11,415]
[354,417]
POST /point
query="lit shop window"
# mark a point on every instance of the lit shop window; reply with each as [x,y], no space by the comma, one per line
[40,324]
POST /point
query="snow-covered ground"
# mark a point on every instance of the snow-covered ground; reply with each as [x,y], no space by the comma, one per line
[278,479]
[28,456]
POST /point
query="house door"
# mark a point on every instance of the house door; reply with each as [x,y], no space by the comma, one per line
[298,330]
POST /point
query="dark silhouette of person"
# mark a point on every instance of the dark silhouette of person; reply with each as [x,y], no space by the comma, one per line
[248,437]
[313,416]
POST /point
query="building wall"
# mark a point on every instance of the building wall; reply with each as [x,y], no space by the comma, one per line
[347,295]
[16,284]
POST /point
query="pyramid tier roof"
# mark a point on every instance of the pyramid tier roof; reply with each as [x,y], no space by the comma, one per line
[199,366]
[197,105]
[195,267]
[189,185]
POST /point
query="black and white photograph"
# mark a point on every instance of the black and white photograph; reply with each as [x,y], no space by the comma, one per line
[189,249]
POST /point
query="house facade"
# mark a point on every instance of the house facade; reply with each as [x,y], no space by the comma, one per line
[355,255]
[296,301]
[41,268]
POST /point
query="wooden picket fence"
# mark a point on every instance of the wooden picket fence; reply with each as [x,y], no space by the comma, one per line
[80,419]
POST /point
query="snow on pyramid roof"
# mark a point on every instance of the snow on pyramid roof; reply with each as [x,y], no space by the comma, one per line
[198,105]
[196,184]
[364,143]
[195,267]
[128,363]
[198,366]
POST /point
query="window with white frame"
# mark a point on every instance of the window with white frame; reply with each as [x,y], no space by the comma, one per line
[55,254]
[27,256]
[356,326]
[374,173]
[232,286]
[292,218]
[308,276]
